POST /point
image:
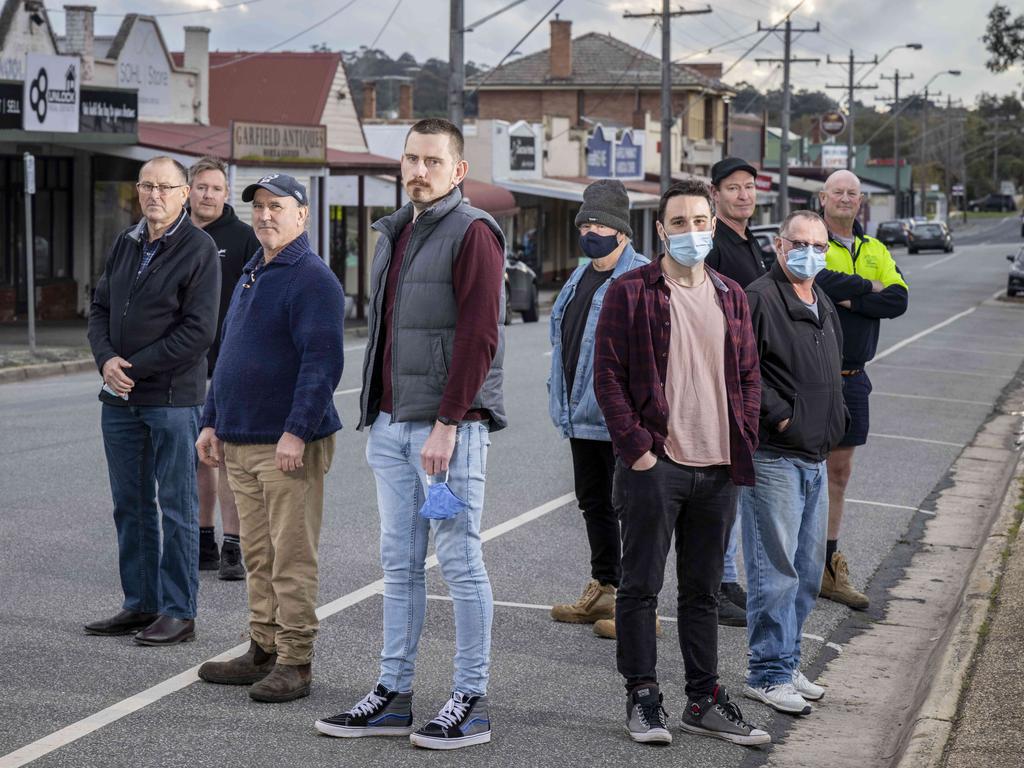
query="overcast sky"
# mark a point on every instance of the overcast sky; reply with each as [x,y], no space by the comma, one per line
[950,31]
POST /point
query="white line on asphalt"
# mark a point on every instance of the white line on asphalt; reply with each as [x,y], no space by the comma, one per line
[820,639]
[917,439]
[919,335]
[936,370]
[115,712]
[549,353]
[338,392]
[938,399]
[940,261]
[1015,355]
[882,504]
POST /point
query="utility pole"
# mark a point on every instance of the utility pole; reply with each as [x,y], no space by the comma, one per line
[786,60]
[456,62]
[667,117]
[922,154]
[851,88]
[896,137]
[948,164]
[995,120]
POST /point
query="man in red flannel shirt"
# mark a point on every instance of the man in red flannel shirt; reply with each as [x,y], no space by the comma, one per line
[676,375]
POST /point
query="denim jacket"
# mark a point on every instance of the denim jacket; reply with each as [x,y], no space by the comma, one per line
[579,415]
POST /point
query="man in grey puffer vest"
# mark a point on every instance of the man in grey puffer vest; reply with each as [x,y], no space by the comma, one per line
[431,395]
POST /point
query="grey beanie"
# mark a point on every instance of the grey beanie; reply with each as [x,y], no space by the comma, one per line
[606,202]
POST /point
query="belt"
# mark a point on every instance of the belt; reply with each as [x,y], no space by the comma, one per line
[852,371]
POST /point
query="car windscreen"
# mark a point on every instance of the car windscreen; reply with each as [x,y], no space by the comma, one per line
[930,230]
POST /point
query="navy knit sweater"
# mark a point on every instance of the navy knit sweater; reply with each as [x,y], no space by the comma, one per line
[281,351]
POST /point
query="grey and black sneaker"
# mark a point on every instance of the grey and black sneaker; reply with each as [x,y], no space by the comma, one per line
[209,554]
[462,722]
[717,716]
[380,713]
[646,717]
[730,614]
[231,567]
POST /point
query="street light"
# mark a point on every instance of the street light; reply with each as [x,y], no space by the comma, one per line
[884,56]
[924,129]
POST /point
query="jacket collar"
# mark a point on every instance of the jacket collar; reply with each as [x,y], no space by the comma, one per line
[291,254]
[627,260]
[724,230]
[652,275]
[140,233]
[797,309]
[392,225]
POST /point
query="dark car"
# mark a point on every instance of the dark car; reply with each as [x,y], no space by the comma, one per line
[765,234]
[893,232]
[521,293]
[931,236]
[993,202]
[1015,282]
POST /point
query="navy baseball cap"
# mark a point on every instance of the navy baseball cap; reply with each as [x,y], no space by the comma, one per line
[280,184]
[728,167]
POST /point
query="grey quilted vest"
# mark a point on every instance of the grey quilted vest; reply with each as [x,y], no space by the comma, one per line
[423,322]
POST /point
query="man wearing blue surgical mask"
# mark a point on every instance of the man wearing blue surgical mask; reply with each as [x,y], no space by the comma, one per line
[605,233]
[803,417]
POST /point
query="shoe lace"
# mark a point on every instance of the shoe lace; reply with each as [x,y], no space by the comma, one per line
[590,594]
[652,713]
[452,713]
[731,712]
[840,566]
[369,704]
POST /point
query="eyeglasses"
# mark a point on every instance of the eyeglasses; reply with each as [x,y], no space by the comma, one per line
[818,248]
[147,189]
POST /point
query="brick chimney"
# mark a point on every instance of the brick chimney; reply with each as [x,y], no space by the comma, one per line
[369,100]
[708,69]
[197,57]
[80,37]
[560,63]
[405,101]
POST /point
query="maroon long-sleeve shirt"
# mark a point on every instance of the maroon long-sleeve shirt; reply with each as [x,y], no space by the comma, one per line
[477,274]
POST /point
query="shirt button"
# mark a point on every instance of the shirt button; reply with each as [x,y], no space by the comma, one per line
[664,354]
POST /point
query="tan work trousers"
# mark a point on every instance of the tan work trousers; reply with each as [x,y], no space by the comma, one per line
[279,517]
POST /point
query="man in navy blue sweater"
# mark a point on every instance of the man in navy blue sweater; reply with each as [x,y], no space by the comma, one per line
[270,419]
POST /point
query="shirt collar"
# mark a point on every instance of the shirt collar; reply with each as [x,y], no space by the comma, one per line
[653,274]
[141,233]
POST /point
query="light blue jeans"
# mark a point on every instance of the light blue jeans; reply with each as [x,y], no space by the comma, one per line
[785,520]
[729,573]
[393,453]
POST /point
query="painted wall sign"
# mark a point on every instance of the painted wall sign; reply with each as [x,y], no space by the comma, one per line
[599,155]
[109,111]
[143,65]
[50,93]
[629,157]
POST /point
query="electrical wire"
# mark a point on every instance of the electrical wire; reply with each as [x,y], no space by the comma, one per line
[514,47]
[385,25]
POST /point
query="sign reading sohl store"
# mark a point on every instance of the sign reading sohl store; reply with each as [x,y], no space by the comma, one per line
[50,99]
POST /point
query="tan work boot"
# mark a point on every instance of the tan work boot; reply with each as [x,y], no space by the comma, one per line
[284,683]
[597,602]
[251,667]
[839,589]
[606,628]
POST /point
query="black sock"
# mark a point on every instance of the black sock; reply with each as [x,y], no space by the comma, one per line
[206,533]
[231,538]
[831,547]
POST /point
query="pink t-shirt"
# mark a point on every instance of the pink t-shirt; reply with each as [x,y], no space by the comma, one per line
[698,406]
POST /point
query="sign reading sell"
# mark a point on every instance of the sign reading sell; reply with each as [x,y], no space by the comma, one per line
[279,144]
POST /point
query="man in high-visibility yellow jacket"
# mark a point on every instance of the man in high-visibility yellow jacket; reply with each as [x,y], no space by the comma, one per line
[881,293]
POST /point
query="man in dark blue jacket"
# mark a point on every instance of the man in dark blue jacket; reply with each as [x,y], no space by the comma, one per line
[270,419]
[151,323]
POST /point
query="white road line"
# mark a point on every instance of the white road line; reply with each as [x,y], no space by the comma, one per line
[917,439]
[937,399]
[549,353]
[940,261]
[115,712]
[1015,355]
[338,392]
[920,335]
[882,504]
[820,639]
[936,370]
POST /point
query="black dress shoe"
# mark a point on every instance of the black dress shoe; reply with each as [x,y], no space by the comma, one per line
[124,623]
[167,631]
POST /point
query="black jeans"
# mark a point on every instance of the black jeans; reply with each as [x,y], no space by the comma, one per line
[593,467]
[698,505]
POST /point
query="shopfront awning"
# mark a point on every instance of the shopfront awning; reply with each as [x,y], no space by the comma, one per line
[496,200]
[571,189]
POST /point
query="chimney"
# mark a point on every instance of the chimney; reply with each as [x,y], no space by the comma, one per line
[708,69]
[197,57]
[560,63]
[405,101]
[369,100]
[80,38]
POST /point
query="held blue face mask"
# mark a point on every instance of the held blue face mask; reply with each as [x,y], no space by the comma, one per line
[441,503]
[597,246]
[690,248]
[805,262]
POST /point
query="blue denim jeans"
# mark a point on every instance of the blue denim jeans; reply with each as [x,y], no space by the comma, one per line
[393,453]
[151,455]
[785,519]
[729,573]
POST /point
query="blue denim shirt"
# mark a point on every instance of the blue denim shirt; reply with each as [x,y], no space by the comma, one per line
[579,415]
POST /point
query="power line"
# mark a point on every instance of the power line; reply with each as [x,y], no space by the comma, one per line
[514,47]
[386,22]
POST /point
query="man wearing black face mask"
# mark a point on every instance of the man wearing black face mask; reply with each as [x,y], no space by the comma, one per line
[605,233]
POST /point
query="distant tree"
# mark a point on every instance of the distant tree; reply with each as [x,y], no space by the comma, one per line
[1004,39]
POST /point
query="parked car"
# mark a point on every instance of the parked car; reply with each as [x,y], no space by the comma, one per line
[933,235]
[521,294]
[1015,281]
[993,202]
[893,232]
[765,236]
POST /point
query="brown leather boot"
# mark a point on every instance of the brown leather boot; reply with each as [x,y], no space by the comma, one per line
[597,602]
[285,683]
[251,667]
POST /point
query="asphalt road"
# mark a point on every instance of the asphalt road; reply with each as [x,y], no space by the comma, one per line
[556,698]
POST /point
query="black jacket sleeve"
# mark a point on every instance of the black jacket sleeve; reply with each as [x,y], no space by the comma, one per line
[886,304]
[99,314]
[840,286]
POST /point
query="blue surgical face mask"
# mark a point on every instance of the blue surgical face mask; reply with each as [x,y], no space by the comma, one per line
[690,248]
[804,263]
[597,246]
[441,503]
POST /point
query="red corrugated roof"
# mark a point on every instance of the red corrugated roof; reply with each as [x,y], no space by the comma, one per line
[283,87]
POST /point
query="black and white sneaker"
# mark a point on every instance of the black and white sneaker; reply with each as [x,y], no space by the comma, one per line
[717,716]
[462,722]
[646,717]
[380,713]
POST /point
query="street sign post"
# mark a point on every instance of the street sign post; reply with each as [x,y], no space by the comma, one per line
[30,266]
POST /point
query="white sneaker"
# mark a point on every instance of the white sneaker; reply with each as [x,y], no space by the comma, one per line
[807,690]
[782,697]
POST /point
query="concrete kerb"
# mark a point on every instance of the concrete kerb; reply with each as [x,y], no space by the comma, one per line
[880,689]
[41,370]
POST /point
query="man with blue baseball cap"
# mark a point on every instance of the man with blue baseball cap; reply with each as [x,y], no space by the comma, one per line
[270,419]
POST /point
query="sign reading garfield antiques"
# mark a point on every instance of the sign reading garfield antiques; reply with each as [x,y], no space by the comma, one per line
[272,144]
